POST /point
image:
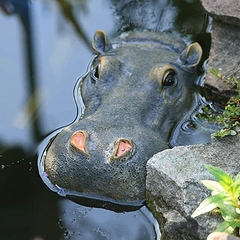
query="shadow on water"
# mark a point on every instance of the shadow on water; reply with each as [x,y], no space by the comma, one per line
[27,208]
[44,48]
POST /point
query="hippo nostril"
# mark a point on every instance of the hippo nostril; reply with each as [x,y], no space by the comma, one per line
[78,141]
[122,148]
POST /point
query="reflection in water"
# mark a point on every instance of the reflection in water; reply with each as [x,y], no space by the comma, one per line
[164,15]
[186,17]
[67,9]
[22,9]
[29,112]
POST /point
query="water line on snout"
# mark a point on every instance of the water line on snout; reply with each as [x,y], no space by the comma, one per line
[42,152]
[77,92]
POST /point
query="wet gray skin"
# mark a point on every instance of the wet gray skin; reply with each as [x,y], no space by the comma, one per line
[138,88]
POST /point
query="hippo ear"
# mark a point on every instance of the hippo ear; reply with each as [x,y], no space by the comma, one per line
[191,56]
[100,42]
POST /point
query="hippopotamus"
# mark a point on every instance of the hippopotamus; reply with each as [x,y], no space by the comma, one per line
[138,87]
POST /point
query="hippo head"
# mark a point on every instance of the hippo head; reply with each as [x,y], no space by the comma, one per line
[138,87]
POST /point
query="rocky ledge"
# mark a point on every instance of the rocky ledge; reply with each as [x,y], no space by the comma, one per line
[174,189]
[225,50]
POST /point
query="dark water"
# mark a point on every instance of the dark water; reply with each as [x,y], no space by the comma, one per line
[43,51]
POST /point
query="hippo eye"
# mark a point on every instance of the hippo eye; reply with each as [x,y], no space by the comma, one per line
[169,78]
[95,72]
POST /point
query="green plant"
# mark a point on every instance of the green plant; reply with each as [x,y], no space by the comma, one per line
[225,199]
[229,119]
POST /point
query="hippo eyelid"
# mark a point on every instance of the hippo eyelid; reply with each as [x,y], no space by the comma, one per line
[164,76]
[168,78]
[95,71]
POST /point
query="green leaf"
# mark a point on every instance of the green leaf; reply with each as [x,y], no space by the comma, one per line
[213,186]
[225,227]
[213,71]
[222,177]
[237,178]
[229,213]
[234,191]
[236,224]
[211,203]
[228,227]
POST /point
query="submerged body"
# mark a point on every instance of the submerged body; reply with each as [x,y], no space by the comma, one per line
[138,88]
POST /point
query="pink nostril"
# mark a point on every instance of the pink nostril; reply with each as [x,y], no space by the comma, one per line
[78,141]
[123,147]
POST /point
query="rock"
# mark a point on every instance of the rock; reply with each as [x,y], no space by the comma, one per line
[226,11]
[174,190]
[225,51]
[224,54]
[221,236]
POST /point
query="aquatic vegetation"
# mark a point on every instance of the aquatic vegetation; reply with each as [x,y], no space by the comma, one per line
[230,117]
[224,199]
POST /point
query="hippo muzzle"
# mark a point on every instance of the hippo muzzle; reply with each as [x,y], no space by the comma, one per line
[136,90]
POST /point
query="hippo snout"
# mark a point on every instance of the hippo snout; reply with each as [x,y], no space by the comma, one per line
[122,147]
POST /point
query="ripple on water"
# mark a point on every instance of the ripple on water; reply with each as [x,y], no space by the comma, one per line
[79,222]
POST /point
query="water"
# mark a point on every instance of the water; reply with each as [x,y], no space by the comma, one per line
[79,222]
[41,57]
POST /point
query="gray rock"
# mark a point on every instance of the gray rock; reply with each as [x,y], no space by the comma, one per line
[226,11]
[224,54]
[174,190]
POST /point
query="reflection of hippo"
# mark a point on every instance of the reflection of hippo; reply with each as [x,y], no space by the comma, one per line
[137,89]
